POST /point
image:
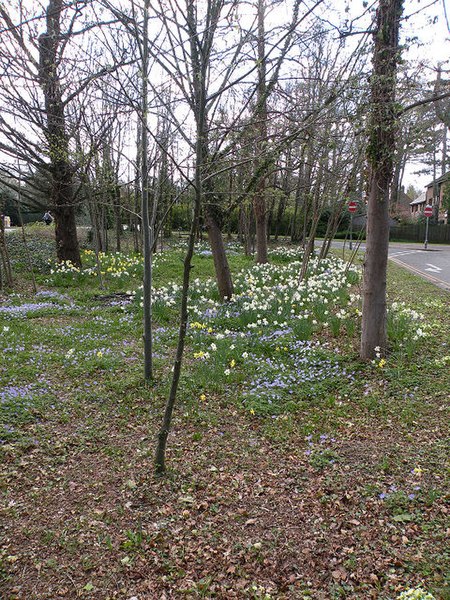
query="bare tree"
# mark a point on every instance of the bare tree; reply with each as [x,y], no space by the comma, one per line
[202,30]
[60,167]
[200,49]
[148,222]
[259,199]
[40,80]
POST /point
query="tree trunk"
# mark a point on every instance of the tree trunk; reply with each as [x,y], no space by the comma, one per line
[270,217]
[118,216]
[137,229]
[160,454]
[95,228]
[223,273]
[4,255]
[380,153]
[57,139]
[295,227]
[281,209]
[259,199]
[444,150]
[259,206]
[199,70]
[104,218]
[97,233]
[309,245]
[146,222]
[67,248]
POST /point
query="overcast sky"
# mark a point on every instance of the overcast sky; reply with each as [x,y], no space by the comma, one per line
[433,35]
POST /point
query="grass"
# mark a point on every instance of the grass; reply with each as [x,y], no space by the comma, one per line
[295,469]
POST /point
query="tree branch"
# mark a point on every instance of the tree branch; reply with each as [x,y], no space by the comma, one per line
[423,102]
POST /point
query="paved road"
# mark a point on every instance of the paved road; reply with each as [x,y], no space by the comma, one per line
[432,264]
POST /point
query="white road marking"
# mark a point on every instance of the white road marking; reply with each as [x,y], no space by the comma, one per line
[439,282]
[404,253]
[433,268]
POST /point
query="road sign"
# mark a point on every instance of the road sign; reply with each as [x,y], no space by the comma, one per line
[352,208]
[428,212]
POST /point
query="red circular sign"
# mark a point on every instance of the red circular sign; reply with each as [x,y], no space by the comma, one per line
[352,207]
[428,211]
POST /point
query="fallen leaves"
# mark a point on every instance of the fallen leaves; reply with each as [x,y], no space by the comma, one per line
[226,519]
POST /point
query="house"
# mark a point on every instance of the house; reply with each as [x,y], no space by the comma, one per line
[418,204]
[434,194]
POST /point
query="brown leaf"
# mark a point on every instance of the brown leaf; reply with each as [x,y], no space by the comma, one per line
[336,574]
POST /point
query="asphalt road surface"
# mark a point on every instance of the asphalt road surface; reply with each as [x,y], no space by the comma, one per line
[432,264]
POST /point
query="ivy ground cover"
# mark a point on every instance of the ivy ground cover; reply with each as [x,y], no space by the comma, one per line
[296,471]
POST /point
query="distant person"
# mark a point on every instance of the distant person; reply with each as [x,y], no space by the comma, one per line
[47,218]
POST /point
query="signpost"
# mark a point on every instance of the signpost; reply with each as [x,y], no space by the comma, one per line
[428,212]
[352,208]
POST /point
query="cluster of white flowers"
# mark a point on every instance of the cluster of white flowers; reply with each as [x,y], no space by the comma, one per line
[415,594]
[400,308]
[267,290]
[408,319]
[419,333]
[441,362]
[65,266]
[269,302]
[286,252]
[167,294]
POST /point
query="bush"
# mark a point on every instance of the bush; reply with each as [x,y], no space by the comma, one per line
[41,247]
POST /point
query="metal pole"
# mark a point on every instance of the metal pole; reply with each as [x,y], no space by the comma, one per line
[426,234]
[351,231]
